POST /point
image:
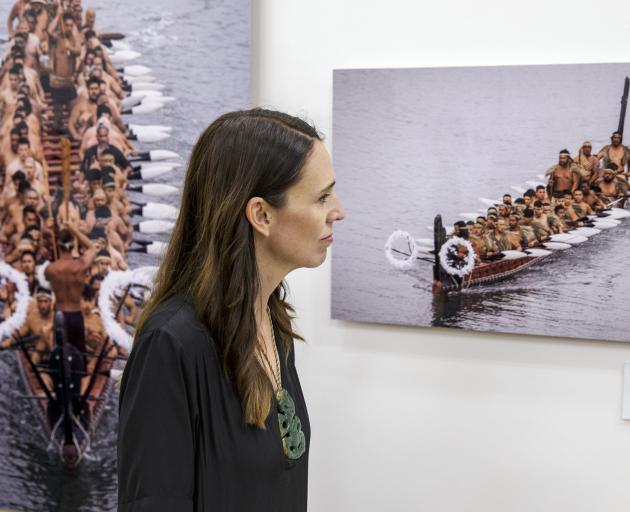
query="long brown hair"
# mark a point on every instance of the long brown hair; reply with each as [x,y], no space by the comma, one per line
[211,256]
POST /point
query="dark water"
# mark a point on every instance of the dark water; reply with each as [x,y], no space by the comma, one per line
[412,143]
[200,50]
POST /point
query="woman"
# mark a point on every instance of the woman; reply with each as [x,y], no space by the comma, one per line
[212,416]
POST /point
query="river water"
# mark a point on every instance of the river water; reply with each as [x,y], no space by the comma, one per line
[412,143]
[200,50]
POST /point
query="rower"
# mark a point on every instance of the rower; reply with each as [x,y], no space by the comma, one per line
[524,234]
[615,152]
[529,197]
[39,322]
[504,240]
[554,222]
[610,188]
[458,228]
[83,114]
[579,206]
[586,165]
[503,211]
[560,180]
[591,198]
[541,194]
[539,223]
[67,278]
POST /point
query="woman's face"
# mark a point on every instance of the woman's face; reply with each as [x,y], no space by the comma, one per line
[301,225]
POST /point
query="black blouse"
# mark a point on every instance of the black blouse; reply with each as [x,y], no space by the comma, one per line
[182,443]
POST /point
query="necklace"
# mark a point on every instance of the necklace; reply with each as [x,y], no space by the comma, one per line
[293,439]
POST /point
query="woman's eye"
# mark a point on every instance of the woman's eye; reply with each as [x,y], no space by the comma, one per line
[324,198]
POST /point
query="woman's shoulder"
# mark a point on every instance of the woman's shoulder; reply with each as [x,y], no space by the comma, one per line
[175,321]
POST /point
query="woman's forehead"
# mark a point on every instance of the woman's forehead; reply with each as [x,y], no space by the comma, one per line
[317,173]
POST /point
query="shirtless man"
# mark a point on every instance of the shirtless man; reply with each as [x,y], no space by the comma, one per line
[17,12]
[27,265]
[614,152]
[115,205]
[503,211]
[539,223]
[541,194]
[524,234]
[24,153]
[65,48]
[555,223]
[571,218]
[579,206]
[610,188]
[560,178]
[9,95]
[83,114]
[39,322]
[67,277]
[30,43]
[95,333]
[586,165]
[504,240]
[591,198]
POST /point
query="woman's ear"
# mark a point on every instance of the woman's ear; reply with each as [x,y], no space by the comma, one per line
[258,214]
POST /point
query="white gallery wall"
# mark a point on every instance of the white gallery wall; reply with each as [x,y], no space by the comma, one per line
[408,419]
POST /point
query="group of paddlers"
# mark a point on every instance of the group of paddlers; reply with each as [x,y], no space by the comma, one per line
[56,81]
[576,188]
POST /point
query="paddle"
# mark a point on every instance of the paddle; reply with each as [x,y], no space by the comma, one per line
[111,36]
[149,173]
[21,341]
[155,248]
[624,104]
[153,226]
[156,211]
[155,155]
[154,189]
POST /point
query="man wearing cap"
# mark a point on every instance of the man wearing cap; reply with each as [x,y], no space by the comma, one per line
[615,152]
[67,277]
[560,178]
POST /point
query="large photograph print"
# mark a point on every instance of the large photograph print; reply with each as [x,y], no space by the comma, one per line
[100,104]
[484,198]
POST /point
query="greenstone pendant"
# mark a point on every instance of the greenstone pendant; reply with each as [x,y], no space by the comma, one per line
[293,439]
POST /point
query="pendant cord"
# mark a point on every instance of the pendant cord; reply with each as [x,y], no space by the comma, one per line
[277,376]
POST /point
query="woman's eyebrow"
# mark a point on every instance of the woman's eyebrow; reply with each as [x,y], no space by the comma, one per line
[328,187]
